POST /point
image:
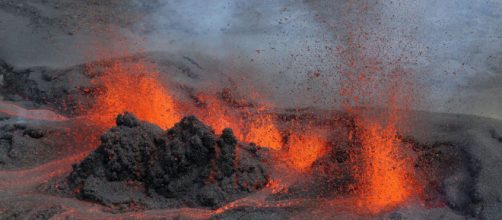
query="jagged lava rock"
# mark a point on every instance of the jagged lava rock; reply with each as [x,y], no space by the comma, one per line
[189,165]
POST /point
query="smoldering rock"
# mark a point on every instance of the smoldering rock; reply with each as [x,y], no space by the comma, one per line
[188,165]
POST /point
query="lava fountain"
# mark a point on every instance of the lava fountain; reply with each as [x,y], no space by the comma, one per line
[387,176]
[386,179]
[134,88]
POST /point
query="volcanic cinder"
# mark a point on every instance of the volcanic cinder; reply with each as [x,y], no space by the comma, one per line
[139,166]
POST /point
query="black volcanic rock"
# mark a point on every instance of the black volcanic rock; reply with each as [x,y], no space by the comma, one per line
[137,164]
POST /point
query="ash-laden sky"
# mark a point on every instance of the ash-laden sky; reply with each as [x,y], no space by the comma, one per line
[451,49]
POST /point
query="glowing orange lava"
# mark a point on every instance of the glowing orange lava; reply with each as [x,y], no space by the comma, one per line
[136,89]
[386,176]
[304,149]
[263,132]
[218,115]
[258,128]
[387,179]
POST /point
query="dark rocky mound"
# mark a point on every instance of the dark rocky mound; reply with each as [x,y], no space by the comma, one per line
[138,165]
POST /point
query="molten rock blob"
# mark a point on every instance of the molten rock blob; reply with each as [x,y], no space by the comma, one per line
[139,166]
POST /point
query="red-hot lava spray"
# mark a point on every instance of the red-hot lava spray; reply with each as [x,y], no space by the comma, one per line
[387,176]
[378,92]
[304,149]
[386,179]
[135,88]
[255,126]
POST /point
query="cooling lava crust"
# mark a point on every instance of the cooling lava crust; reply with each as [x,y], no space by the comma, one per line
[139,166]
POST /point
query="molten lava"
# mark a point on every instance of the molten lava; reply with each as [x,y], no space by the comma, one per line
[263,132]
[369,78]
[258,128]
[134,88]
[386,180]
[305,149]
[385,177]
[219,116]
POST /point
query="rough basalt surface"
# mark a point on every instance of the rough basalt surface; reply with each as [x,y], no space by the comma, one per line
[449,175]
[68,91]
[20,143]
[140,166]
[25,144]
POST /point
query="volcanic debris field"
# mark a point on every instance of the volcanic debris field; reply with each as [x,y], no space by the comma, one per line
[59,163]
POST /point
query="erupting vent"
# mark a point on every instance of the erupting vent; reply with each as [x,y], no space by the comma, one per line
[297,109]
[134,88]
[384,177]
[388,174]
